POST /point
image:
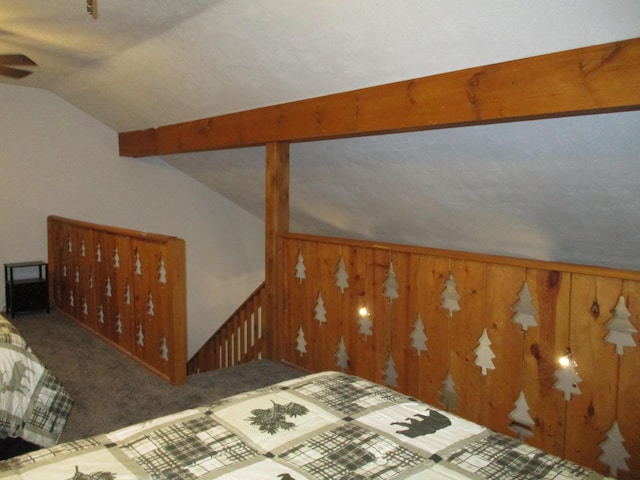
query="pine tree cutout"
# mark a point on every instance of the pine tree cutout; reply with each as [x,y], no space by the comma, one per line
[365,325]
[83,249]
[164,350]
[620,328]
[98,253]
[613,453]
[448,395]
[76,275]
[107,288]
[127,294]
[390,284]
[69,244]
[72,300]
[567,379]
[522,422]
[484,354]
[137,264]
[450,296]
[101,314]
[342,276]
[342,359]
[116,258]
[320,311]
[140,336]
[418,337]
[118,324]
[85,307]
[390,374]
[91,280]
[162,272]
[301,343]
[150,305]
[525,310]
[300,268]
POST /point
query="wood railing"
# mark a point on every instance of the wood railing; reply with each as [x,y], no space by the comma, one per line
[238,340]
[127,287]
[448,328]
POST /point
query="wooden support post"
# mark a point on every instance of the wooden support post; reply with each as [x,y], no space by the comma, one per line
[276,222]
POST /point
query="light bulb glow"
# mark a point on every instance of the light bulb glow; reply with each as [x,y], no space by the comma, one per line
[565,361]
[363,312]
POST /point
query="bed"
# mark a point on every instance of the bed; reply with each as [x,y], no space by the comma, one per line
[34,405]
[326,425]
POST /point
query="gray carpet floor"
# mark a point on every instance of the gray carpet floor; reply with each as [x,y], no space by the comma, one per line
[111,390]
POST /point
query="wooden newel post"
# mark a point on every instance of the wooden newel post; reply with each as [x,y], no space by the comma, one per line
[276,223]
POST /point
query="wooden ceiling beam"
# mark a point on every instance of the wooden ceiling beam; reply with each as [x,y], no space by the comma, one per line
[597,79]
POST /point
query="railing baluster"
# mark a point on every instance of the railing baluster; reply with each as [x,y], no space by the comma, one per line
[238,340]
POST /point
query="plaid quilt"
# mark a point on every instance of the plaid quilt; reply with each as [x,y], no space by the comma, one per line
[34,405]
[323,426]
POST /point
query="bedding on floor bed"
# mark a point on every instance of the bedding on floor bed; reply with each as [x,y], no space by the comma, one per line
[322,426]
[34,405]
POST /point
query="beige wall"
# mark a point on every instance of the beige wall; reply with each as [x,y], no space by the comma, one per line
[55,159]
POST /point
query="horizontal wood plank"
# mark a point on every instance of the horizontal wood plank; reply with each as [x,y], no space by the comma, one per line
[597,79]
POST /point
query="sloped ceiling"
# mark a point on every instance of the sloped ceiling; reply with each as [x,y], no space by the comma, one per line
[562,190]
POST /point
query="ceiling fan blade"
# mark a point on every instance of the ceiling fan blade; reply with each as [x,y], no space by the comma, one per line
[13,72]
[15,59]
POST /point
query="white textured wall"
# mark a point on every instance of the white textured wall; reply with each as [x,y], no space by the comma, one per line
[56,160]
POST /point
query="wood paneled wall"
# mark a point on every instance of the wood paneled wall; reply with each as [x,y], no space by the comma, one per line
[573,305]
[128,287]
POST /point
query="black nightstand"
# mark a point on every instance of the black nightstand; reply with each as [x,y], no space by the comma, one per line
[30,290]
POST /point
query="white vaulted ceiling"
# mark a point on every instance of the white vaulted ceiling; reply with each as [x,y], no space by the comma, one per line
[563,189]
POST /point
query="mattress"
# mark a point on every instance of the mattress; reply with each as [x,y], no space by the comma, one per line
[321,426]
